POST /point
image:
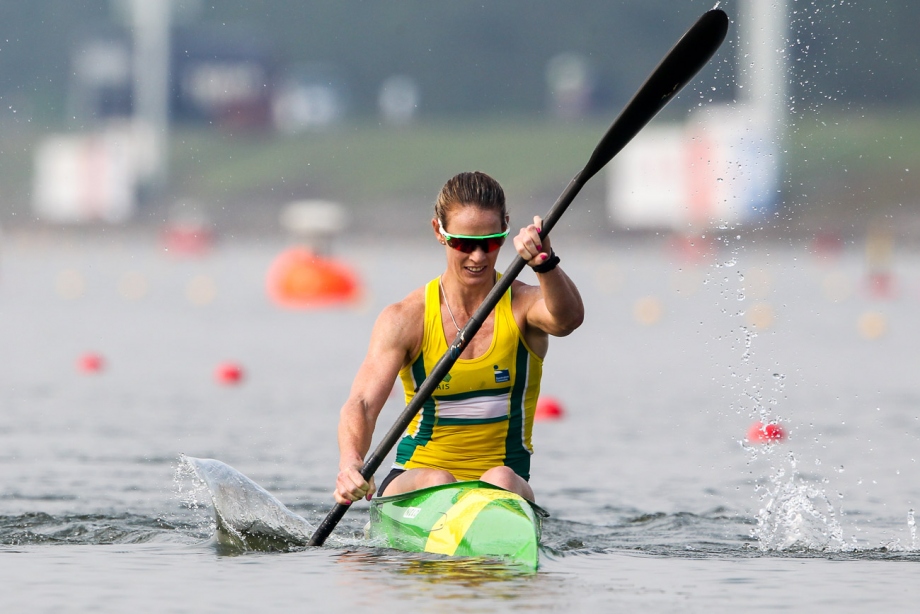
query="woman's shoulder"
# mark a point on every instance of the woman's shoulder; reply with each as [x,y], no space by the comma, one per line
[407,314]
[398,331]
[522,293]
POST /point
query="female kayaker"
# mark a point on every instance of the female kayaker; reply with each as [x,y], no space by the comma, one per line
[477,424]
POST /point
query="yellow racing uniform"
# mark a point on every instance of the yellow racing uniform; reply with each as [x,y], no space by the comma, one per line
[481,415]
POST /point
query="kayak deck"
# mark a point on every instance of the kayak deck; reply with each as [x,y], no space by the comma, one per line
[473,519]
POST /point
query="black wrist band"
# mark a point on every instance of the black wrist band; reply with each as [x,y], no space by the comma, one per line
[547,265]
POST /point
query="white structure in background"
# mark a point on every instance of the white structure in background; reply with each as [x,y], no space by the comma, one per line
[314,222]
[151,25]
[398,99]
[723,165]
[83,178]
[95,176]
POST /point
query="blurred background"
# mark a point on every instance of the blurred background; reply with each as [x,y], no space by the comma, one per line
[216,116]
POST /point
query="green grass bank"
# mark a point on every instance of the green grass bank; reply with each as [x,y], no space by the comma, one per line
[840,168]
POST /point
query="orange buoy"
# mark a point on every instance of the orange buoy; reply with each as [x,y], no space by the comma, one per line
[91,363]
[229,373]
[548,408]
[766,433]
[298,278]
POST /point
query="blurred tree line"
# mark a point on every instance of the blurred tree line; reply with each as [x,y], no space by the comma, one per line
[484,58]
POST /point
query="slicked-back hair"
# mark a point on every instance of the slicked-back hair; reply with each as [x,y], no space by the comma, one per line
[472,188]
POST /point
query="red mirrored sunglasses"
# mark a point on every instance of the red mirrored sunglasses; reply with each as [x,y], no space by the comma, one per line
[470,243]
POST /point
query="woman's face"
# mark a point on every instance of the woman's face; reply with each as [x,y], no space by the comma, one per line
[477,266]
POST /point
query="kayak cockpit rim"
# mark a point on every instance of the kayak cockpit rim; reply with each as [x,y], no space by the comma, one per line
[539,511]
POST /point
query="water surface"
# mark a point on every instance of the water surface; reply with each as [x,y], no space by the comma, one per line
[657,502]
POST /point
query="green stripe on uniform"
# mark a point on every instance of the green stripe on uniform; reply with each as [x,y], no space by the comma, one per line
[516,454]
[409,443]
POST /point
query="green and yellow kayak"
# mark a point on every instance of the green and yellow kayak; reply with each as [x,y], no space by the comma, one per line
[473,519]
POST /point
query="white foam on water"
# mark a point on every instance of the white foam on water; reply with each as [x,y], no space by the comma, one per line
[796,515]
[897,546]
[912,526]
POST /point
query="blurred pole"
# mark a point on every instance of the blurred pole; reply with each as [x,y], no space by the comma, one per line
[150,19]
[762,34]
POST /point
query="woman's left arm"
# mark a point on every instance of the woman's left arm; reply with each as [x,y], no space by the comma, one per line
[557,308]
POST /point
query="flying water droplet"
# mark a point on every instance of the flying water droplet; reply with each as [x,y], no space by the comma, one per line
[912,526]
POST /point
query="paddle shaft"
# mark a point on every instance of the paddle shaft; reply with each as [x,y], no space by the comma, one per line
[691,53]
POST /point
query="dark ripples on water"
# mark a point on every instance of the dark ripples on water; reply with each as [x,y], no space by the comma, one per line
[90,529]
[718,533]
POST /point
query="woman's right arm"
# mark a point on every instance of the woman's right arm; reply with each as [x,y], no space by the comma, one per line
[395,339]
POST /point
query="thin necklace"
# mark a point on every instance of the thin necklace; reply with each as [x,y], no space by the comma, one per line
[449,312]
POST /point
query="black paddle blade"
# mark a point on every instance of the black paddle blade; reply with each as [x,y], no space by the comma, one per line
[688,56]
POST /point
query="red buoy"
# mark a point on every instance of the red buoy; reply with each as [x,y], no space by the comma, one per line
[827,244]
[881,284]
[90,362]
[766,433]
[549,408]
[692,247]
[229,373]
[188,239]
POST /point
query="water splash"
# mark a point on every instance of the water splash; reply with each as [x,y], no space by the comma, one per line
[192,494]
[247,516]
[912,526]
[796,515]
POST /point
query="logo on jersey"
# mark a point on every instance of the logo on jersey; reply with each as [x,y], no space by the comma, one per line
[501,375]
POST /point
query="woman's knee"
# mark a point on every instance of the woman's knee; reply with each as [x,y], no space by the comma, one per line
[505,477]
[500,476]
[414,479]
[437,477]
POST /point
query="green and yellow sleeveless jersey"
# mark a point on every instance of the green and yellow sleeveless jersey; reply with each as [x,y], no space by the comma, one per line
[481,415]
